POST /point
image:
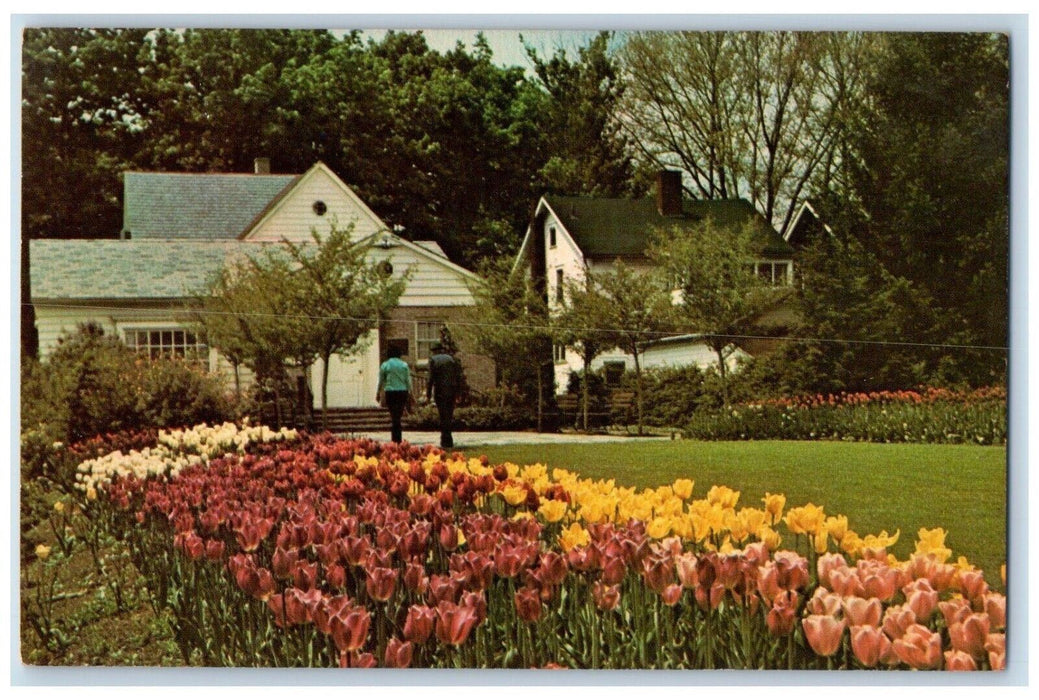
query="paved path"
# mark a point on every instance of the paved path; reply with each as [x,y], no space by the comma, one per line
[465,440]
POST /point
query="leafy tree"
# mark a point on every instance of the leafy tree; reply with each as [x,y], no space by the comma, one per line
[579,326]
[930,183]
[720,296]
[344,296]
[587,151]
[509,323]
[636,309]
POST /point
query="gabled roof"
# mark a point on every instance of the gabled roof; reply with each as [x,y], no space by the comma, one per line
[609,228]
[134,269]
[197,205]
[807,225]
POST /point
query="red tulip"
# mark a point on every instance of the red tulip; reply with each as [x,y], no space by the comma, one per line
[283,561]
[351,659]
[415,579]
[350,628]
[215,550]
[419,623]
[685,565]
[398,654]
[919,647]
[304,575]
[381,583]
[454,622]
[791,570]
[671,594]
[823,633]
[553,568]
[606,597]
[528,604]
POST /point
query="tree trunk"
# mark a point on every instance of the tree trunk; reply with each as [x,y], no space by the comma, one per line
[326,358]
[585,392]
[237,382]
[638,389]
[541,397]
[721,373]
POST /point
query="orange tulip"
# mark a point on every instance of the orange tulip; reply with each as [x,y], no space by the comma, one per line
[954,610]
[970,635]
[823,633]
[823,602]
[973,586]
[919,648]
[921,599]
[827,563]
[959,661]
[862,611]
[897,619]
[996,646]
[996,607]
[871,646]
[781,617]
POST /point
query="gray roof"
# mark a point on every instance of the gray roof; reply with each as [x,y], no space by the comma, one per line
[134,269]
[609,228]
[197,205]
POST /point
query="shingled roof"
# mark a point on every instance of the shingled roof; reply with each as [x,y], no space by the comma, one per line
[608,228]
[197,205]
[134,269]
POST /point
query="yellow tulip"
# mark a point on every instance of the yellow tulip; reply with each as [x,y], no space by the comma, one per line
[683,488]
[723,496]
[659,528]
[514,494]
[752,518]
[574,536]
[933,542]
[837,526]
[804,520]
[552,511]
[774,504]
[43,551]
[820,540]
[770,537]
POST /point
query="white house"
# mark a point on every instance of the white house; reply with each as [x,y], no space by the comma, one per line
[180,229]
[571,235]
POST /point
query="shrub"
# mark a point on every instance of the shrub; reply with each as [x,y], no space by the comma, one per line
[473,418]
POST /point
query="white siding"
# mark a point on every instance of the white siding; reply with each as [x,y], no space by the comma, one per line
[432,281]
[678,354]
[294,217]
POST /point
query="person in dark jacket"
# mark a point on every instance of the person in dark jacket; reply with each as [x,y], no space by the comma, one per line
[395,385]
[443,387]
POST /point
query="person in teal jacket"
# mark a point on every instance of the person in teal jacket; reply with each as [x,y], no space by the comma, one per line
[395,385]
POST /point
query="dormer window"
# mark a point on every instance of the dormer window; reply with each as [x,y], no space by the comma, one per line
[320,208]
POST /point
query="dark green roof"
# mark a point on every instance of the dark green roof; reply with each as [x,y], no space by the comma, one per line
[607,228]
[196,205]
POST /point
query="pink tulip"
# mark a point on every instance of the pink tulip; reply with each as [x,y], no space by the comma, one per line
[897,619]
[823,602]
[954,610]
[996,646]
[919,648]
[780,619]
[823,633]
[973,586]
[996,607]
[827,563]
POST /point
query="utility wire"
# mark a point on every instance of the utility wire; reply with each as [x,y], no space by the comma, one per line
[541,327]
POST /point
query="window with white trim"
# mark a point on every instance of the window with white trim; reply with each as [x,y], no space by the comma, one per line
[169,342]
[558,353]
[426,334]
[773,272]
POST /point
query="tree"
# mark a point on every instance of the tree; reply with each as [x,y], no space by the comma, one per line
[586,148]
[720,296]
[343,295]
[509,323]
[636,309]
[743,114]
[579,326]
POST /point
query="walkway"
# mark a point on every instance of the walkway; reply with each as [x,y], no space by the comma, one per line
[466,440]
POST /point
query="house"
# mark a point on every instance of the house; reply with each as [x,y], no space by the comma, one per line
[180,229]
[571,235]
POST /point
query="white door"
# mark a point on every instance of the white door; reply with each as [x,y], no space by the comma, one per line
[351,380]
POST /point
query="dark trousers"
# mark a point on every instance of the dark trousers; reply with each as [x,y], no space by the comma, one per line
[396,401]
[446,410]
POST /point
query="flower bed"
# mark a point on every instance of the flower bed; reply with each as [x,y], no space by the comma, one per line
[313,551]
[930,416]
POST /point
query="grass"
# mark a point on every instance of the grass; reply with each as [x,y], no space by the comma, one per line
[961,488]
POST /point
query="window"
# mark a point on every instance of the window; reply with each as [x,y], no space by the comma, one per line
[559,286]
[426,334]
[558,353]
[551,236]
[613,372]
[168,342]
[320,208]
[774,273]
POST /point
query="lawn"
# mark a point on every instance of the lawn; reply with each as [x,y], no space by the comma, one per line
[961,488]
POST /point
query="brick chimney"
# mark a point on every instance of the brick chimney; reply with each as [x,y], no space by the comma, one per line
[669,192]
[262,166]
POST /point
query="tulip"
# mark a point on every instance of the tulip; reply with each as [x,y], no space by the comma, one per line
[418,625]
[685,565]
[415,578]
[454,622]
[671,594]
[381,583]
[528,604]
[922,603]
[398,654]
[996,608]
[860,611]
[970,635]
[606,597]
[954,610]
[553,568]
[959,661]
[450,537]
[304,575]
[350,629]
[823,633]
[781,617]
[919,648]
[871,646]
[846,582]
[897,619]
[973,585]
[351,659]
[996,646]
[215,550]
[823,602]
